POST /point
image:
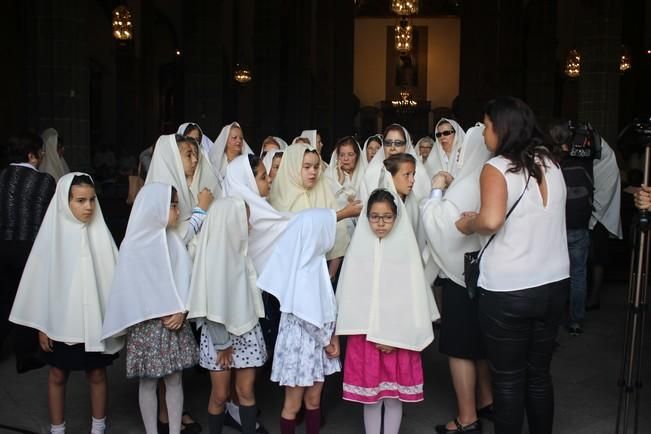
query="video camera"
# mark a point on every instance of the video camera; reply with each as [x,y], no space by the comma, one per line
[585,142]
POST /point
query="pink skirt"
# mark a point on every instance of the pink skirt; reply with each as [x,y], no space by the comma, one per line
[370,375]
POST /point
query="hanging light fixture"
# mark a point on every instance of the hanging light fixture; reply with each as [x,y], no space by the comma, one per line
[573,63]
[122,24]
[404,7]
[624,60]
[242,74]
[404,33]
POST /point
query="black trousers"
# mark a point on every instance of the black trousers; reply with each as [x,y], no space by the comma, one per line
[519,330]
[13,256]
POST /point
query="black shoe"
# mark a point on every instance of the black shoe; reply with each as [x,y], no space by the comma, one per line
[230,422]
[163,428]
[575,329]
[471,428]
[190,428]
[486,412]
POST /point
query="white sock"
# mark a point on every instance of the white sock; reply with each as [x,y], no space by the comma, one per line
[234,411]
[174,398]
[373,418]
[98,426]
[58,429]
[148,404]
[392,415]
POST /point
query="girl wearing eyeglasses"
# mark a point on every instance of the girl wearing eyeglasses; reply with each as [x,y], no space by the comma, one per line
[386,309]
[445,154]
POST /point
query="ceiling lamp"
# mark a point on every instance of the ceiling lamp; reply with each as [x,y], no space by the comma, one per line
[122,24]
[404,31]
[573,63]
[405,104]
[242,74]
[404,7]
[624,60]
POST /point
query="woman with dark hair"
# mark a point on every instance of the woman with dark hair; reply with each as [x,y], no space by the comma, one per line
[523,280]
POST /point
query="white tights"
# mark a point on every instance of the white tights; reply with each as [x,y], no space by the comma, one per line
[149,402]
[392,416]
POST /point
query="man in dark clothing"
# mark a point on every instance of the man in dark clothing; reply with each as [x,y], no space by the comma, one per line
[25,194]
[577,170]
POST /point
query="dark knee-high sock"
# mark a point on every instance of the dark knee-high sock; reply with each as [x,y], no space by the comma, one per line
[313,421]
[216,423]
[287,426]
[247,418]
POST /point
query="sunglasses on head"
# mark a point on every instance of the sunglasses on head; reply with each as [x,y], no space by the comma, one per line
[444,133]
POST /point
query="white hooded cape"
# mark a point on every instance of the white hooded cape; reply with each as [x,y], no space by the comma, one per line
[288,193]
[223,287]
[382,291]
[607,192]
[217,154]
[66,282]
[297,273]
[167,168]
[448,245]
[267,224]
[52,162]
[438,160]
[153,270]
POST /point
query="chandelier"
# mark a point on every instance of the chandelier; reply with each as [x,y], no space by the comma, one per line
[404,32]
[405,104]
[624,60]
[573,64]
[242,74]
[404,7]
[122,24]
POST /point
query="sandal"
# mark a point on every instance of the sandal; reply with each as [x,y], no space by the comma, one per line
[471,428]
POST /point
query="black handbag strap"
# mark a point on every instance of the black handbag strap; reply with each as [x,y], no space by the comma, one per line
[507,216]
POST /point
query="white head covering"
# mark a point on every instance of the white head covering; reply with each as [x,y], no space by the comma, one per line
[268,159]
[372,175]
[607,192]
[288,193]
[66,281]
[223,287]
[167,168]
[438,159]
[52,163]
[153,270]
[311,134]
[351,182]
[447,245]
[417,150]
[382,292]
[297,274]
[206,143]
[267,224]
[364,148]
[218,152]
[281,143]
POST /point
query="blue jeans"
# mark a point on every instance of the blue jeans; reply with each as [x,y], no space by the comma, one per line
[578,246]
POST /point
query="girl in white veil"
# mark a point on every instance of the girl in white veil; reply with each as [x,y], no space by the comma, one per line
[271,163]
[193,130]
[178,162]
[460,336]
[227,304]
[64,291]
[148,300]
[387,308]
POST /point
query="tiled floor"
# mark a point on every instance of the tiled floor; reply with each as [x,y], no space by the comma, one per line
[585,370]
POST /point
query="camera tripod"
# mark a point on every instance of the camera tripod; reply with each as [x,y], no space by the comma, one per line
[629,382]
